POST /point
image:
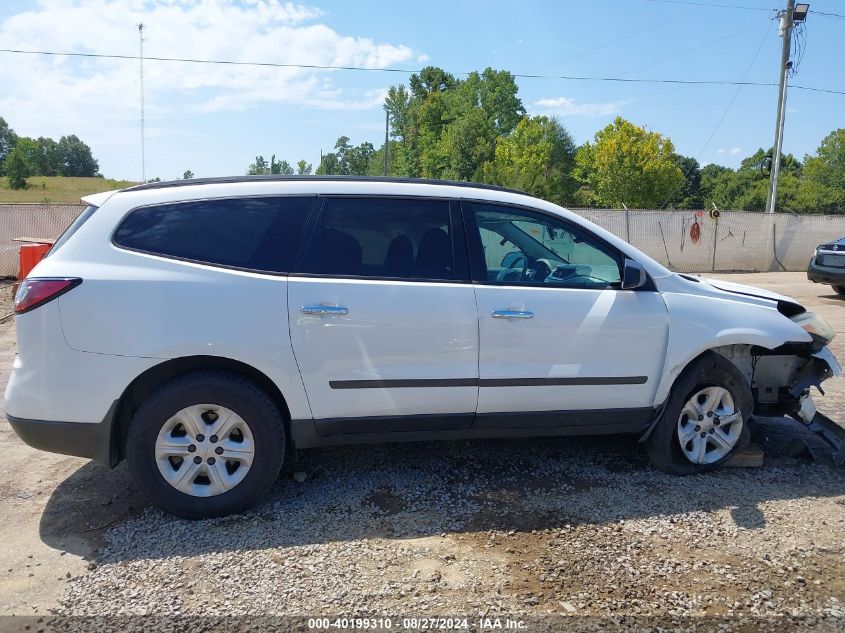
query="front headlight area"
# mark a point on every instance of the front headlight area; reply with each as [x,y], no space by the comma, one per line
[816,326]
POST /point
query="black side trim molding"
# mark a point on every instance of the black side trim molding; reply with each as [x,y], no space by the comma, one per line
[586,421]
[464,426]
[393,424]
[405,383]
[550,382]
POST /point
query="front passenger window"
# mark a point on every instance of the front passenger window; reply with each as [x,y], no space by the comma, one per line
[383,238]
[522,247]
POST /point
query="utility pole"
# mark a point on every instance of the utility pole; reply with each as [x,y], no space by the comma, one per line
[386,124]
[141,68]
[788,18]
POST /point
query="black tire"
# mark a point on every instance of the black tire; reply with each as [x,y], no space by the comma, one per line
[228,390]
[840,290]
[710,369]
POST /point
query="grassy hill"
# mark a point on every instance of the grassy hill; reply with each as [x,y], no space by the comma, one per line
[58,189]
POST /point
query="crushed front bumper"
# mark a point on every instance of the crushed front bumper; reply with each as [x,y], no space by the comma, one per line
[821,438]
[805,430]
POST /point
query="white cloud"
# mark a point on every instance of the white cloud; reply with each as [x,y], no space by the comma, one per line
[733,151]
[565,106]
[422,58]
[98,98]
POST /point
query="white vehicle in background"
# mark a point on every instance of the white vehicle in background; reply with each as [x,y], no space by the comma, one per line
[204,329]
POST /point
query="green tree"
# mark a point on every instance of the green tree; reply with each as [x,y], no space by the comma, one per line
[759,163]
[76,156]
[497,91]
[537,157]
[688,195]
[828,165]
[329,165]
[48,159]
[187,175]
[717,182]
[628,165]
[822,188]
[431,80]
[347,159]
[747,188]
[376,166]
[28,148]
[259,167]
[281,167]
[447,127]
[8,140]
[18,168]
[355,161]
[303,168]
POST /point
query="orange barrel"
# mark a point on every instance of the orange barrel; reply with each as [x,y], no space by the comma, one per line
[30,255]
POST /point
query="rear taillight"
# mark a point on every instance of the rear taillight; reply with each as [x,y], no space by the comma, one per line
[36,292]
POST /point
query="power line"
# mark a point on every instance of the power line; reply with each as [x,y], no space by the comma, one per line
[724,114]
[829,15]
[811,88]
[407,71]
[672,55]
[616,40]
[713,5]
[736,6]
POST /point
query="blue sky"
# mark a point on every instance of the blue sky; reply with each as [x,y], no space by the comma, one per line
[215,119]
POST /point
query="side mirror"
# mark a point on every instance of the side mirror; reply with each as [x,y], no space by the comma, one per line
[633,275]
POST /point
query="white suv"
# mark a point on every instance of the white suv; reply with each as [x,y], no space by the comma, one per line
[204,329]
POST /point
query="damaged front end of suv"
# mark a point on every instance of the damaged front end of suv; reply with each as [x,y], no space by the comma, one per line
[785,417]
[785,420]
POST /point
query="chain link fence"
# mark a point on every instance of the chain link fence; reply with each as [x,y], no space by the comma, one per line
[30,220]
[683,241]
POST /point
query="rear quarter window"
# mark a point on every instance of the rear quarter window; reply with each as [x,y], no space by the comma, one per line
[72,228]
[252,233]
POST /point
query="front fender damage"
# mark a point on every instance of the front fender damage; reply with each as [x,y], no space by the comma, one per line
[802,430]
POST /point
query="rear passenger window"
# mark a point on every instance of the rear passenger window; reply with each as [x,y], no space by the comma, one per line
[382,237]
[254,233]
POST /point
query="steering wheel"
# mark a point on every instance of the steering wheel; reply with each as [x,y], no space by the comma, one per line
[515,271]
[542,269]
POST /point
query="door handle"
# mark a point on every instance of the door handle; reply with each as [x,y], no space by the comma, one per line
[512,314]
[321,310]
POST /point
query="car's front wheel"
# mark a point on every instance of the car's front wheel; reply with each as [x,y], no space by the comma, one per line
[206,444]
[840,290]
[705,421]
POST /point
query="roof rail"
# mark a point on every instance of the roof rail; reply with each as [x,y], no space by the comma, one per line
[278,178]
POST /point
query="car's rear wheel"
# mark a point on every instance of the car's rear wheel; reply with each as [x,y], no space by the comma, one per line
[206,444]
[705,421]
[840,290]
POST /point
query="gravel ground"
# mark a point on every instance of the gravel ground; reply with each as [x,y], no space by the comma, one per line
[545,528]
